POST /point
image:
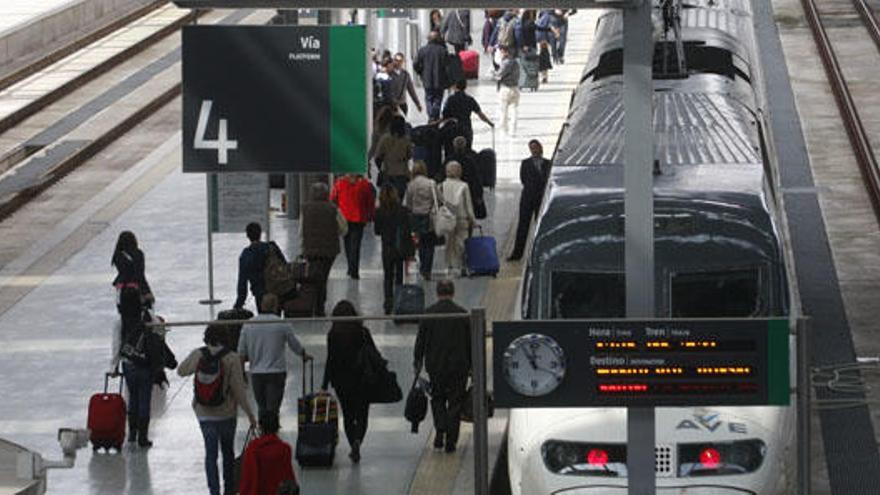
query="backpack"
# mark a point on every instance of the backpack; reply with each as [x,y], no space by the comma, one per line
[453,69]
[210,389]
[507,33]
[134,345]
[276,273]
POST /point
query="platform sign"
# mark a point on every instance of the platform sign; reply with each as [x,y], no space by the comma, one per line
[278,99]
[622,363]
[238,199]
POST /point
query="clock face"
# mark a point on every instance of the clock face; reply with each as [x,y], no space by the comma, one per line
[534,365]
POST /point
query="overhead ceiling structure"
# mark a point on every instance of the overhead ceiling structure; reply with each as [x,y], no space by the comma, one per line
[406,4]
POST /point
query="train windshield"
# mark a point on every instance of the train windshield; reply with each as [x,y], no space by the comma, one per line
[716,294]
[588,295]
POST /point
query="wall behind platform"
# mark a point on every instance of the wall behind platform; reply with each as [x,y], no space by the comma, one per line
[59,26]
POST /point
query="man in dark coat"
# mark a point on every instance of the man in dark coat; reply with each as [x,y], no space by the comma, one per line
[250,266]
[533,174]
[431,67]
[445,348]
[322,225]
[456,28]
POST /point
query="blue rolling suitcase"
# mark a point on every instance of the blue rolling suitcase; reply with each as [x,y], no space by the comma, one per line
[481,255]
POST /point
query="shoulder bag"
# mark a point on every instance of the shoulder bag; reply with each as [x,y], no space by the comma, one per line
[442,218]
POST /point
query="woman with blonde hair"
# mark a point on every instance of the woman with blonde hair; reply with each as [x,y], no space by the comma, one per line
[457,196]
[419,199]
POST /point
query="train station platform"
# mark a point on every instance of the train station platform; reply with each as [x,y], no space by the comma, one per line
[57,312]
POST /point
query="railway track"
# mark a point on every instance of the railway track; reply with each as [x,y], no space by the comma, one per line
[846,101]
[62,126]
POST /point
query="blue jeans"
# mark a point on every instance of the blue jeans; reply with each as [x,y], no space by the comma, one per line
[219,433]
[139,381]
[433,102]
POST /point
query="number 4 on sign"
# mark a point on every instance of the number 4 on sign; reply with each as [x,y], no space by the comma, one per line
[222,144]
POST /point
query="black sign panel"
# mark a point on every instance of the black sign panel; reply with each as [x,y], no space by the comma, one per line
[568,363]
[274,99]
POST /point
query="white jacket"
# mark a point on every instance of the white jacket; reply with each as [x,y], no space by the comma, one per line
[457,197]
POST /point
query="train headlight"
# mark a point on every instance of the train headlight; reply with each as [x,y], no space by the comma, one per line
[720,458]
[584,459]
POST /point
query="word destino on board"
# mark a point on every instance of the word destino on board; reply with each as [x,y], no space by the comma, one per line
[618,363]
[278,99]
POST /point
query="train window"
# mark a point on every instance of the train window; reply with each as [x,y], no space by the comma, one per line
[588,295]
[716,294]
[700,59]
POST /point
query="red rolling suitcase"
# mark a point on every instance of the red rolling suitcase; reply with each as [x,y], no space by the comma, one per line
[106,421]
[470,63]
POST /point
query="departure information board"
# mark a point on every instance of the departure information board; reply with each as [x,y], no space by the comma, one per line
[611,363]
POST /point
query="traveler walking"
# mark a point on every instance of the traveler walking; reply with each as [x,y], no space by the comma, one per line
[459,106]
[469,160]
[267,461]
[383,85]
[344,343]
[456,29]
[526,32]
[560,22]
[456,195]
[444,346]
[393,225]
[401,84]
[533,174]
[250,266]
[393,153]
[430,65]
[356,200]
[436,19]
[219,392]
[321,227]
[508,88]
[128,260]
[419,199]
[140,351]
[263,346]
[505,32]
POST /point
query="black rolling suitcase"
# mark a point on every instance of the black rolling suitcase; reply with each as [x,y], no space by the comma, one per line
[318,425]
[487,164]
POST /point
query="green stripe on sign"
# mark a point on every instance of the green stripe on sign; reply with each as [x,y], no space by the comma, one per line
[778,381]
[348,99]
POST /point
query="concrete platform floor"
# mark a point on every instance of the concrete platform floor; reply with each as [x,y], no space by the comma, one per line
[55,334]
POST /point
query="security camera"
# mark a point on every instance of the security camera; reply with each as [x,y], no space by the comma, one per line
[72,439]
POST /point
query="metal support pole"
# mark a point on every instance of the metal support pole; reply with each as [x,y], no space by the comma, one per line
[638,155]
[804,407]
[481,426]
[209,183]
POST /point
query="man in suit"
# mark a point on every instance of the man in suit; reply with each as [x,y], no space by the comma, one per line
[533,173]
[445,348]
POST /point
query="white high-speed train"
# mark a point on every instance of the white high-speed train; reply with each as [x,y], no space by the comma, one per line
[717,254]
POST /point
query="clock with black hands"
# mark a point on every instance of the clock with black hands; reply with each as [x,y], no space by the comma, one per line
[534,365]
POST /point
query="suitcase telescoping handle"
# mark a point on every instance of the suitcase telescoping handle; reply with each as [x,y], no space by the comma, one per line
[312,376]
[107,377]
[493,137]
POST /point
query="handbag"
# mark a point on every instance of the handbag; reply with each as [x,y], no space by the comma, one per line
[239,459]
[467,407]
[442,217]
[379,382]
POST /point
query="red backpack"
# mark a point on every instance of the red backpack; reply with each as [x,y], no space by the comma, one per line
[210,389]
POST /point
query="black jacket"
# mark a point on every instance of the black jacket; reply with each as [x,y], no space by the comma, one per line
[344,341]
[431,65]
[130,270]
[251,264]
[444,345]
[396,232]
[533,181]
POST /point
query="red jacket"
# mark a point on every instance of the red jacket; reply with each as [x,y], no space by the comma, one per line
[267,462]
[356,200]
